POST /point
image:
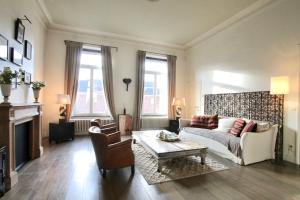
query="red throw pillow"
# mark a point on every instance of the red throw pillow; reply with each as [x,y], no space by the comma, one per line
[207,122]
[250,127]
[237,127]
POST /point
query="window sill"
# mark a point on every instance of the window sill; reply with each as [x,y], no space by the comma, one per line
[154,117]
[90,117]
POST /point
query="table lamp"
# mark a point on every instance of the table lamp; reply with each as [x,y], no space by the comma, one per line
[178,103]
[63,100]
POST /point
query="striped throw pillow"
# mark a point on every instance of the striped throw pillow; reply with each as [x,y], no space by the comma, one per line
[207,121]
[250,127]
[237,127]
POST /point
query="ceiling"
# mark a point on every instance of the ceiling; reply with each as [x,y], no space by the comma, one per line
[174,22]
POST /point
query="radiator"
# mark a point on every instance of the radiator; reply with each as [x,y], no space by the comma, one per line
[82,126]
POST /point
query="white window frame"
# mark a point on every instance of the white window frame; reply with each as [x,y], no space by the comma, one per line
[155,73]
[91,113]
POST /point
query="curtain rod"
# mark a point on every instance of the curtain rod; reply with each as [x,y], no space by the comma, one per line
[157,53]
[98,45]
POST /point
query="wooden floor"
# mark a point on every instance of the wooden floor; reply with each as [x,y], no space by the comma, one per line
[68,171]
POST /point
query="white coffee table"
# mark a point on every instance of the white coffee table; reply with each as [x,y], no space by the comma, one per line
[164,151]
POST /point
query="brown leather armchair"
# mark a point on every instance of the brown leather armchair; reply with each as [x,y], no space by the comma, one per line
[106,128]
[110,152]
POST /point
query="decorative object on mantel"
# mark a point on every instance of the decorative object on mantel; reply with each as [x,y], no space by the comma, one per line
[36,87]
[178,103]
[28,50]
[6,80]
[3,48]
[63,100]
[280,87]
[19,31]
[127,81]
[16,57]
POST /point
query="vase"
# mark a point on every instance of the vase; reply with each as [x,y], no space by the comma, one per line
[36,94]
[6,90]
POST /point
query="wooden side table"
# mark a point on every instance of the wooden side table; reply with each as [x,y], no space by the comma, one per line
[125,124]
[174,126]
[61,131]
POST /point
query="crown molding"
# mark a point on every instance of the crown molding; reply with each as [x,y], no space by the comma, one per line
[45,11]
[229,22]
[129,38]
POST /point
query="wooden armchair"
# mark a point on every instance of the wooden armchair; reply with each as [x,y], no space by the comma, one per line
[110,152]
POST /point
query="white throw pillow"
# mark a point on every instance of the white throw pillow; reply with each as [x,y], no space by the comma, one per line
[225,124]
[261,125]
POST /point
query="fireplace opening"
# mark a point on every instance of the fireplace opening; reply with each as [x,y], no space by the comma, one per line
[22,147]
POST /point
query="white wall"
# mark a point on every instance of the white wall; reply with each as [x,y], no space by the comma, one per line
[244,56]
[10,10]
[124,66]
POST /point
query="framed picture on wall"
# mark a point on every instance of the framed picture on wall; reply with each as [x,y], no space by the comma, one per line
[16,56]
[3,48]
[28,50]
[27,78]
[19,31]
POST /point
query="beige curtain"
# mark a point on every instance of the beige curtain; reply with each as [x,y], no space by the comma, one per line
[141,57]
[71,72]
[171,85]
[108,79]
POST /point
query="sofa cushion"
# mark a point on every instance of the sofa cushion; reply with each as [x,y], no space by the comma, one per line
[250,127]
[237,127]
[225,124]
[205,121]
[262,126]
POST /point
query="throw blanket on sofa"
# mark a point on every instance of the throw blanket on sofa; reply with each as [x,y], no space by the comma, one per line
[230,141]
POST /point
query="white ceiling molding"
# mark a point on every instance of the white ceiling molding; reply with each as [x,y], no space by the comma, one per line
[230,21]
[129,38]
[45,11]
[220,27]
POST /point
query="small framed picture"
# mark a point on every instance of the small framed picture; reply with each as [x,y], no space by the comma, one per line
[27,78]
[3,48]
[16,56]
[19,31]
[28,50]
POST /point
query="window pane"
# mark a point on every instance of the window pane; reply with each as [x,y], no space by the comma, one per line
[89,58]
[161,106]
[82,105]
[148,101]
[99,103]
[156,66]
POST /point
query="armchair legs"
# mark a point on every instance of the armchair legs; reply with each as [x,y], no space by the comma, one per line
[103,171]
[132,169]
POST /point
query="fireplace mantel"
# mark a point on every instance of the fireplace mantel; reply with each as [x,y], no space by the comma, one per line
[10,116]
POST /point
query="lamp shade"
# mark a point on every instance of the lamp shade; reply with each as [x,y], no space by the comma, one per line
[63,99]
[178,102]
[279,85]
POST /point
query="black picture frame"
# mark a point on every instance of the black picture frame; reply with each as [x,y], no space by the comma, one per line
[28,50]
[19,31]
[16,57]
[3,48]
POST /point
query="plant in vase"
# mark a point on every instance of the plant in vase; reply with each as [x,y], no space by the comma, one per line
[36,87]
[6,79]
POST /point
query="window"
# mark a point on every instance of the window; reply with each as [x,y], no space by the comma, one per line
[90,100]
[155,100]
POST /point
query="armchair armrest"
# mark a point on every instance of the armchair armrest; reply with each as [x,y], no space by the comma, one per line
[120,145]
[108,130]
[114,137]
[258,146]
[184,123]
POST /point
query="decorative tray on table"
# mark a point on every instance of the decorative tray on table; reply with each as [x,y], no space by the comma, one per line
[168,136]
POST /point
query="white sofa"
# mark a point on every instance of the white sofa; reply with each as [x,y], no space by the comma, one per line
[254,147]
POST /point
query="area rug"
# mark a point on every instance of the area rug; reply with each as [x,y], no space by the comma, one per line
[175,169]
